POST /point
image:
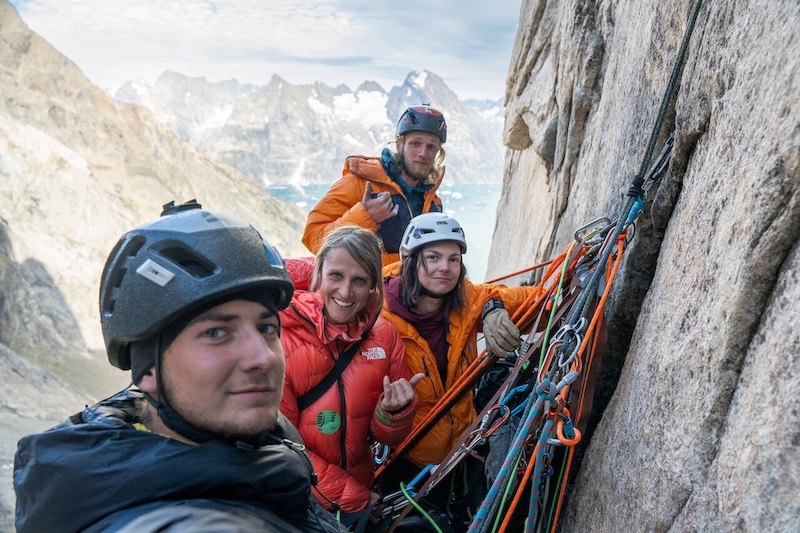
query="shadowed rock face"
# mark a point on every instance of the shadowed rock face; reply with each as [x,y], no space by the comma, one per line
[701,427]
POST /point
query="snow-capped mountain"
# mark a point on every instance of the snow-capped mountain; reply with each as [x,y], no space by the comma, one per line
[281,133]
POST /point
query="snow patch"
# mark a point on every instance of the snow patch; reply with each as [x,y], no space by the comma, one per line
[419,79]
[318,107]
[368,108]
[349,139]
[296,179]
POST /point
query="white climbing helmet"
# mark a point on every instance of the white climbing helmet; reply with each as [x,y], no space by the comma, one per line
[431,227]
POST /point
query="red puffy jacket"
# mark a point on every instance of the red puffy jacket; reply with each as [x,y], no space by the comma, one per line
[338,427]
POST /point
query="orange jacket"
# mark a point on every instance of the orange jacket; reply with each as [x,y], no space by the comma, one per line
[462,340]
[337,428]
[342,205]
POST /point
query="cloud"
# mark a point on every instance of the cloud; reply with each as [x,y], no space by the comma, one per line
[468,43]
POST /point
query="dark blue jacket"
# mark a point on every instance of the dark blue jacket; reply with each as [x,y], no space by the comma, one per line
[97,472]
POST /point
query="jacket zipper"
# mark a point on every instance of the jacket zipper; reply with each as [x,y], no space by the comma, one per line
[430,378]
[300,449]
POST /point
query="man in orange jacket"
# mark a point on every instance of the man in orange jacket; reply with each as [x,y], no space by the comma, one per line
[384,193]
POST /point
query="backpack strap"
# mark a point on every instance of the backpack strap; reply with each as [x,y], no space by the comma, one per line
[306,400]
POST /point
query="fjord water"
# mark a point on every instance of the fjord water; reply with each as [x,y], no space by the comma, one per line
[472,204]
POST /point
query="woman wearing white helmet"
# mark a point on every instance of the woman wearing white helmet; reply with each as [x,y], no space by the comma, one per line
[439,314]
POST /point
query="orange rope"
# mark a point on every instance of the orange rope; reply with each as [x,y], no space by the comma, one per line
[518,272]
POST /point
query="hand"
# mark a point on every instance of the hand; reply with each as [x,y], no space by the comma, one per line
[381,207]
[376,505]
[500,334]
[398,394]
[374,498]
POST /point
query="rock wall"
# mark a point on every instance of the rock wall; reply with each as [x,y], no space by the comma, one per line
[77,170]
[701,427]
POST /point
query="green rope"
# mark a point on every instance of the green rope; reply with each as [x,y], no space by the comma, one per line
[560,480]
[410,499]
[506,492]
[556,302]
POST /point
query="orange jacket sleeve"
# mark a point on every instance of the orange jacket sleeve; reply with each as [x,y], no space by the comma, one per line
[341,205]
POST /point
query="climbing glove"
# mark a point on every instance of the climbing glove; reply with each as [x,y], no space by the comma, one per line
[500,333]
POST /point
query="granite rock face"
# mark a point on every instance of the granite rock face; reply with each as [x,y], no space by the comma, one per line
[701,427]
[78,170]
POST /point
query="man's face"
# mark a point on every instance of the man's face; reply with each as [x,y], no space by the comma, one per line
[417,154]
[224,372]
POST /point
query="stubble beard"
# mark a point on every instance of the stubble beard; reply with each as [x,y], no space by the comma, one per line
[224,428]
[413,171]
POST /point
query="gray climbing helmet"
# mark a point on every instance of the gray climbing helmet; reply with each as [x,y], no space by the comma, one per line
[182,261]
[423,118]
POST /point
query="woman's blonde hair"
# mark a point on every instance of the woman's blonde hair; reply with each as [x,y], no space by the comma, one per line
[363,245]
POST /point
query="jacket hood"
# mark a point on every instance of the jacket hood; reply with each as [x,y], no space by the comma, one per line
[367,167]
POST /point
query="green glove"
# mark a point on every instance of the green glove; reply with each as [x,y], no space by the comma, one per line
[500,333]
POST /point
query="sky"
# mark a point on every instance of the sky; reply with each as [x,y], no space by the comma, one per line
[467,43]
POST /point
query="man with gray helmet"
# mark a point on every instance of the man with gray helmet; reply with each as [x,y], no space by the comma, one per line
[384,193]
[189,303]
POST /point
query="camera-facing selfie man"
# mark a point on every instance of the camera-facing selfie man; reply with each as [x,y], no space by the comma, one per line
[189,303]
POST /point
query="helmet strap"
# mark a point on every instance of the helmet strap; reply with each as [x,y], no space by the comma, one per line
[174,421]
[425,292]
[168,415]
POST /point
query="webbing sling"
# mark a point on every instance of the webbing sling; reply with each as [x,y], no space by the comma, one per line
[306,400]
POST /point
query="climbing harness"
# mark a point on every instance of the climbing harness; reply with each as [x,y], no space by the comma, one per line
[546,398]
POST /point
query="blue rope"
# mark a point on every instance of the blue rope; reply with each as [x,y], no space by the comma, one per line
[533,508]
[545,391]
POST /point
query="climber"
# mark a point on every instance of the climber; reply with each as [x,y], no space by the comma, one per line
[384,193]
[370,395]
[439,312]
[189,303]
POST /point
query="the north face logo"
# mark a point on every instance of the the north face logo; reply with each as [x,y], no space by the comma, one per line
[374,353]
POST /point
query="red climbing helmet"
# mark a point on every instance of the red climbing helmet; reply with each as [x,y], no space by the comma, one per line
[423,118]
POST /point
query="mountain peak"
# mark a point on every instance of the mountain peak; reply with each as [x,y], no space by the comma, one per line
[283,133]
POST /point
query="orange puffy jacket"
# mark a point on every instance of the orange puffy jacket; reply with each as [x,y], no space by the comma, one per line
[462,340]
[337,428]
[342,205]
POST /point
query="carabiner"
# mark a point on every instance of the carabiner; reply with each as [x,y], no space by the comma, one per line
[380,452]
[593,225]
[497,423]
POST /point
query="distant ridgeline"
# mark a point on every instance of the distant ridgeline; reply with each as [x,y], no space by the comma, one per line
[281,133]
